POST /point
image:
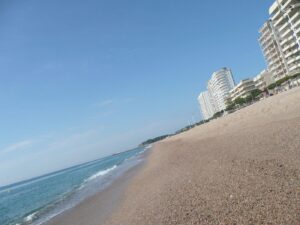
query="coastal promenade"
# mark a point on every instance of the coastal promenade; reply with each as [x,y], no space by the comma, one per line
[240,169]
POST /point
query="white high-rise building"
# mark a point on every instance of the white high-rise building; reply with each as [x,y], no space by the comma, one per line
[206,105]
[219,86]
[272,51]
[280,38]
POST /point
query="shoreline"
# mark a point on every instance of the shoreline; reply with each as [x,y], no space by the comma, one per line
[96,209]
[222,172]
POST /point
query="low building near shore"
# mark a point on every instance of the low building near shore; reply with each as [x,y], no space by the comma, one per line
[242,90]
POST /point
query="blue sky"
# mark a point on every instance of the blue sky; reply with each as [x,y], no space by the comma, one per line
[84,79]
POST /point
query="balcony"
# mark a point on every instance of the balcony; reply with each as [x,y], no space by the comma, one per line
[264,40]
[276,14]
[265,28]
[270,53]
[274,7]
[286,33]
[266,53]
[267,45]
[296,24]
[295,17]
[289,46]
[279,21]
[286,41]
[275,57]
[295,66]
[290,53]
[285,5]
[275,61]
[276,66]
[284,26]
[293,59]
[281,70]
[278,74]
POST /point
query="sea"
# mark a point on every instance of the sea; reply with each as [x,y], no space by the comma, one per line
[38,200]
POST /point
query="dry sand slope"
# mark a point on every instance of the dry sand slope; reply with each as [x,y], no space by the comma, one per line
[240,169]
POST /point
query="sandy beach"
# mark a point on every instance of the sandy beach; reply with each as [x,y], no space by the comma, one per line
[240,169]
[243,168]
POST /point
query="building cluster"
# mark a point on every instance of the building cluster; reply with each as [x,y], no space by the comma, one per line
[280,38]
[214,99]
[280,43]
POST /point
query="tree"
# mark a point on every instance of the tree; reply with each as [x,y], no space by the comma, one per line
[239,101]
[272,86]
[282,80]
[255,93]
[230,107]
[249,98]
[218,114]
[295,75]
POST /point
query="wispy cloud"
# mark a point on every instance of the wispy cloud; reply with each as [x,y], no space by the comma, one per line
[18,146]
[126,100]
[113,101]
[105,103]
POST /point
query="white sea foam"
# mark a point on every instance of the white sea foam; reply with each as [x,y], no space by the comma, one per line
[30,217]
[101,173]
[149,146]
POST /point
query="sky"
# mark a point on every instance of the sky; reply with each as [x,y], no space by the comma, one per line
[80,80]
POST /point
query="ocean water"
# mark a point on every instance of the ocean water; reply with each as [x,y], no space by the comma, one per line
[38,200]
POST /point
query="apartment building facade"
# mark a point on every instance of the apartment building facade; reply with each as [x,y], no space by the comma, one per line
[269,42]
[214,99]
[263,80]
[280,38]
[242,90]
[206,104]
[219,86]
